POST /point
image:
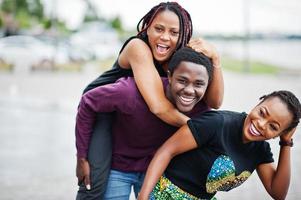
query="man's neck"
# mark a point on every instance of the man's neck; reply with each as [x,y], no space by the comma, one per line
[168,94]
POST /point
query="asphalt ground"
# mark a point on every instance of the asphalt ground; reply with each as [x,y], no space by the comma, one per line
[37,145]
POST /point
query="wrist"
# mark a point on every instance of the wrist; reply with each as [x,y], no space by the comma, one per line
[289,143]
[81,159]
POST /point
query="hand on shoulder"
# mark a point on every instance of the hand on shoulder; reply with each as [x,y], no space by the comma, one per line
[202,46]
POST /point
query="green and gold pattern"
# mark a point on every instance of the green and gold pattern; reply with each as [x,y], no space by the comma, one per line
[166,190]
[222,175]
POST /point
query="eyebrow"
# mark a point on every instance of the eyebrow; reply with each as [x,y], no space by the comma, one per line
[203,81]
[164,26]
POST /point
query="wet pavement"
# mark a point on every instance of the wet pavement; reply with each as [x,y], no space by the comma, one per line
[37,115]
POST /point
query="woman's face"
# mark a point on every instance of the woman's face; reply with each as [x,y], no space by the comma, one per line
[267,120]
[163,35]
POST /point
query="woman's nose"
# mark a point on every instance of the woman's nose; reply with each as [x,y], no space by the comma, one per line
[261,124]
[165,35]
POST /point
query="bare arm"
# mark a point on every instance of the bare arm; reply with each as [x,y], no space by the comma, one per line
[180,142]
[215,91]
[138,56]
[276,181]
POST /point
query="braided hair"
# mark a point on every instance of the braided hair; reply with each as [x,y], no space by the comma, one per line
[292,102]
[185,32]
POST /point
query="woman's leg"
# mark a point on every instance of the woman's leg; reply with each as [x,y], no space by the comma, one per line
[99,157]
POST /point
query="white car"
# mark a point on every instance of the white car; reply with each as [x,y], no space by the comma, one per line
[26,53]
[97,38]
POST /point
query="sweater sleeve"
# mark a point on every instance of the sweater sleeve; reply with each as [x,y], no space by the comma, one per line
[108,98]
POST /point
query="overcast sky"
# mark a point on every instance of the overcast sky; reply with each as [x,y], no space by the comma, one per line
[208,16]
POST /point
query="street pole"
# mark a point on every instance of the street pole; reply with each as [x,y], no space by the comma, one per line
[246,38]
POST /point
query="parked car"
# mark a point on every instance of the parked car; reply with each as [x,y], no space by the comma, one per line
[26,53]
[98,38]
[65,51]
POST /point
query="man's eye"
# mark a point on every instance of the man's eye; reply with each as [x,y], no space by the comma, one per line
[199,84]
[181,81]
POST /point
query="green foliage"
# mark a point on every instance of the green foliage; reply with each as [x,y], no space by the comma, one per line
[8,6]
[29,13]
[116,24]
[255,67]
[47,24]
[14,6]
[23,19]
[89,18]
[35,8]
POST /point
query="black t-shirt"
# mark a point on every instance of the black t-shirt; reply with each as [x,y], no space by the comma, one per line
[221,162]
[116,72]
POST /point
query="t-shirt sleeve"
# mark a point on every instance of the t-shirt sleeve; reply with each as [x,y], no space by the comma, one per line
[205,127]
[266,155]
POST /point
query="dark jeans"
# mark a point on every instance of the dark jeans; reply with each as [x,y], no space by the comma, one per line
[99,157]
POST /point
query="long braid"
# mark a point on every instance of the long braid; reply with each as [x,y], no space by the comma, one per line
[184,18]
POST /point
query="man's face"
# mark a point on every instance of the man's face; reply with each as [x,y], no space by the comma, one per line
[188,85]
[267,120]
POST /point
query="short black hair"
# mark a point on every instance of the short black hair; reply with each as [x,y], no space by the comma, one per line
[190,55]
[292,102]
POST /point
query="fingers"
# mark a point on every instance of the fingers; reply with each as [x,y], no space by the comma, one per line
[194,42]
[83,172]
[201,46]
[291,133]
[86,171]
[197,44]
[87,182]
[287,136]
[79,174]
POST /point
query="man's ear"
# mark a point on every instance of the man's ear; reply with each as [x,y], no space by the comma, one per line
[169,76]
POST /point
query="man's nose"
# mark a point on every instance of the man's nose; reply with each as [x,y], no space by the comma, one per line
[189,89]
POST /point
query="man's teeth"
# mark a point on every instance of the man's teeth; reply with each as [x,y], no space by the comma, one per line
[187,99]
[254,130]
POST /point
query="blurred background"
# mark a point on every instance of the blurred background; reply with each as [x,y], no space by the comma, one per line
[50,50]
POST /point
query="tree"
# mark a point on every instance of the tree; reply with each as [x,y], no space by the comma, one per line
[24,14]
[117,24]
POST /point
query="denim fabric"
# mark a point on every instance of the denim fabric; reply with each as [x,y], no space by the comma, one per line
[120,184]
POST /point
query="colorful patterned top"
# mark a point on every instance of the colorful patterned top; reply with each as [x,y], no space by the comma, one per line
[221,162]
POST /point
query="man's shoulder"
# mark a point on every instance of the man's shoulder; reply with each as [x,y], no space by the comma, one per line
[232,116]
[130,82]
[126,84]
